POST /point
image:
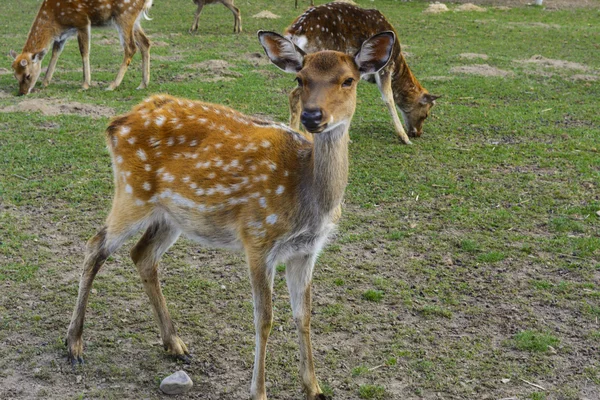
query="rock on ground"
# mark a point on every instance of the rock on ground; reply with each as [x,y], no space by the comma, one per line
[177,383]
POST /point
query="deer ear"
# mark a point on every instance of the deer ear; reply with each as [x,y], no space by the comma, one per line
[281,51]
[13,54]
[39,56]
[375,52]
[428,99]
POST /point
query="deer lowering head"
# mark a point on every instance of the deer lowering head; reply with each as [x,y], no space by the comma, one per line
[344,27]
[228,180]
[58,20]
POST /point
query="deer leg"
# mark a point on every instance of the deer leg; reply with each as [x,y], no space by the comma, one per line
[261,277]
[237,19]
[194,27]
[83,38]
[143,43]
[384,83]
[146,255]
[98,249]
[126,36]
[298,274]
[57,48]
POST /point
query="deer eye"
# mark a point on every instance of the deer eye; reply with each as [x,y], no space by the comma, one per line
[299,82]
[348,82]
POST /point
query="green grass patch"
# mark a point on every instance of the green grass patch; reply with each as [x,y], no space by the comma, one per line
[534,341]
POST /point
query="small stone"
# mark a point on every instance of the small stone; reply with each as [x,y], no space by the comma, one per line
[505,380]
[79,378]
[598,213]
[177,383]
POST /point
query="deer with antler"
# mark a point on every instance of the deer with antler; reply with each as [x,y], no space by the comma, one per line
[58,20]
[228,180]
[344,27]
[237,18]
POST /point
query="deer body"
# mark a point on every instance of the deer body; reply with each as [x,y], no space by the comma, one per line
[228,180]
[58,20]
[237,18]
[344,27]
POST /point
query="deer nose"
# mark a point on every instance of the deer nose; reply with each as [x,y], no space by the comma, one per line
[311,118]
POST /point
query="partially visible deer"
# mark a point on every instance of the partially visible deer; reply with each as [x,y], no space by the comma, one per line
[237,18]
[312,3]
[229,180]
[58,20]
[343,27]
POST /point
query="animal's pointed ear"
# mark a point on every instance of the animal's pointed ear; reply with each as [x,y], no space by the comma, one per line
[375,52]
[428,99]
[281,51]
[13,54]
[39,56]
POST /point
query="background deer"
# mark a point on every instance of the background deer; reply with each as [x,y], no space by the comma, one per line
[58,20]
[344,27]
[312,3]
[229,180]
[237,18]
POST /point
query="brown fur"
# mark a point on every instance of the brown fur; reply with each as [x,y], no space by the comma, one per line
[344,27]
[57,20]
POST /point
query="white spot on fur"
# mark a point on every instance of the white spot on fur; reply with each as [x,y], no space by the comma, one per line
[146,186]
[128,189]
[280,189]
[160,120]
[141,154]
[271,219]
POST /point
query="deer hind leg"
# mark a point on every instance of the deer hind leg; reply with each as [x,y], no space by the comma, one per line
[143,43]
[384,83]
[126,35]
[146,255]
[83,38]
[57,48]
[237,19]
[194,27]
[98,249]
[298,274]
[261,277]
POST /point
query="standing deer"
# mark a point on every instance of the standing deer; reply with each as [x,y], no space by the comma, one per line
[229,180]
[312,3]
[58,20]
[343,27]
[237,18]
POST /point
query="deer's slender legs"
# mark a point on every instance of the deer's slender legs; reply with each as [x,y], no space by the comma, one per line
[83,38]
[125,29]
[146,255]
[143,43]
[261,277]
[57,48]
[384,83]
[237,19]
[194,27]
[298,274]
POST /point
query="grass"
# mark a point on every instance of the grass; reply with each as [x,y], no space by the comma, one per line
[457,260]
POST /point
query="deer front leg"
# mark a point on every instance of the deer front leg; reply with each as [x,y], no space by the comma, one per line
[146,255]
[57,48]
[384,83]
[83,38]
[298,274]
[194,27]
[261,277]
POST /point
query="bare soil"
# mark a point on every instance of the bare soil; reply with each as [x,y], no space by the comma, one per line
[266,15]
[58,107]
[548,4]
[473,56]
[548,62]
[480,69]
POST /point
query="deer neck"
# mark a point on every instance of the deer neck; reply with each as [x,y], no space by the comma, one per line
[41,34]
[327,171]
[405,86]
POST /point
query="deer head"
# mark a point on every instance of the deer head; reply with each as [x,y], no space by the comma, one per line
[27,67]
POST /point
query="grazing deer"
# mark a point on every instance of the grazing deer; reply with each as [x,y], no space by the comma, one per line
[237,18]
[228,180]
[312,3]
[58,20]
[343,27]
